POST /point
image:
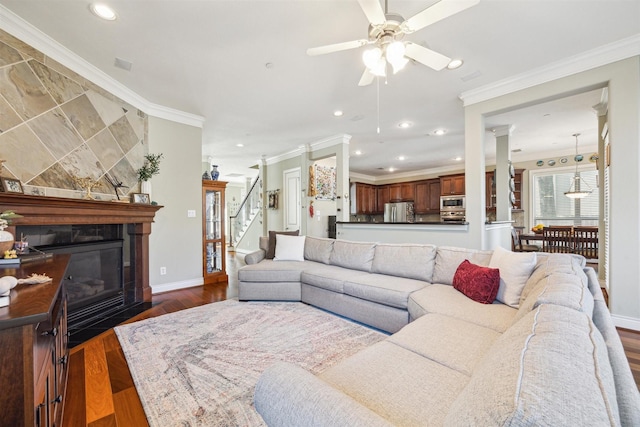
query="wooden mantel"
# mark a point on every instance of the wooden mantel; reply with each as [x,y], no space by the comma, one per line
[39,210]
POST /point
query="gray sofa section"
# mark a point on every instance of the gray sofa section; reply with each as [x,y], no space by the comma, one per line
[556,359]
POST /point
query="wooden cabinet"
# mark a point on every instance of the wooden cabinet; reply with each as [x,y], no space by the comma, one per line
[517,191]
[364,197]
[427,197]
[490,187]
[33,339]
[382,197]
[452,185]
[213,227]
[402,192]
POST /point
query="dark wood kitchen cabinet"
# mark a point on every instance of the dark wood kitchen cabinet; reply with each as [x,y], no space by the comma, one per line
[427,196]
[382,197]
[451,185]
[365,199]
[33,339]
[402,192]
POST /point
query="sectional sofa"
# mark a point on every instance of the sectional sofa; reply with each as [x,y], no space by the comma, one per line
[545,352]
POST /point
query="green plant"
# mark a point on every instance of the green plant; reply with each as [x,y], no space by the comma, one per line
[150,168]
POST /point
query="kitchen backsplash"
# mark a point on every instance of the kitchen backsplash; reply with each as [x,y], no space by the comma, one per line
[56,125]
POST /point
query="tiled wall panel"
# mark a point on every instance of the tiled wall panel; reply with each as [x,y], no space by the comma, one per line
[55,125]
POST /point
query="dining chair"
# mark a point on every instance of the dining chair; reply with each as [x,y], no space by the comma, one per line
[557,239]
[518,246]
[585,242]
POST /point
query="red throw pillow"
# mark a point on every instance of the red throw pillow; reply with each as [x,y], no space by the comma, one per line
[476,282]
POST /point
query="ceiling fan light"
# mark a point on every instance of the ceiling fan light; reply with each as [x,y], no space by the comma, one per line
[398,64]
[380,68]
[371,57]
[395,52]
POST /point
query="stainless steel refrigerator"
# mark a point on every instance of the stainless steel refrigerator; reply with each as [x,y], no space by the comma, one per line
[398,212]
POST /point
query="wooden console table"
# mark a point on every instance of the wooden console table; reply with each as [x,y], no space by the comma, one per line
[39,210]
[33,339]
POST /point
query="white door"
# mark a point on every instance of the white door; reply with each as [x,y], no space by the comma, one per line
[291,179]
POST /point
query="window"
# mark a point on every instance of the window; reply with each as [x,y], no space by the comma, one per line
[551,207]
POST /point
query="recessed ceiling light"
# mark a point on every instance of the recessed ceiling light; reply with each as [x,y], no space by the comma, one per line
[457,159]
[391,169]
[405,125]
[455,63]
[358,152]
[439,132]
[401,158]
[240,145]
[103,11]
[338,113]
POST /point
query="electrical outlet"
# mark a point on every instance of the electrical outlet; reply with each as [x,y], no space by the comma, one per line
[191,213]
[163,271]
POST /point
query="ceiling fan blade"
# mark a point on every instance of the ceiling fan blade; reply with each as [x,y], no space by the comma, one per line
[367,78]
[330,48]
[435,13]
[374,12]
[425,56]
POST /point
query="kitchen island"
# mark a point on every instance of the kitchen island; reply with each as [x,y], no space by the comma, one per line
[436,233]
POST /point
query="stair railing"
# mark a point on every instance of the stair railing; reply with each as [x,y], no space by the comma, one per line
[251,204]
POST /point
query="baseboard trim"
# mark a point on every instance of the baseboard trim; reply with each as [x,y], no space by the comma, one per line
[174,286]
[626,322]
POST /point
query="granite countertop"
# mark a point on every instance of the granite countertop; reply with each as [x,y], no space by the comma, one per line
[402,223]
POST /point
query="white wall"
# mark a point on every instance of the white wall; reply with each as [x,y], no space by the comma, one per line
[176,240]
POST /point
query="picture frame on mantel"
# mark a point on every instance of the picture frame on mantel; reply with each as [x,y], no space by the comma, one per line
[142,198]
[10,185]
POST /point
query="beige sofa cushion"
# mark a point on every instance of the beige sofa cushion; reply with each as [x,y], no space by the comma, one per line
[449,258]
[412,261]
[399,385]
[515,269]
[318,249]
[452,342]
[353,255]
[382,289]
[550,368]
[444,299]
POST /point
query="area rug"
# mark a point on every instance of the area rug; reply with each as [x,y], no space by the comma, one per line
[199,367]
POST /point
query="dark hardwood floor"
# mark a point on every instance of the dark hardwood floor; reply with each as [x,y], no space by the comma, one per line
[100,390]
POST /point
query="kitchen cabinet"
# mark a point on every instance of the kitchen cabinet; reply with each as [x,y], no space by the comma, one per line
[452,185]
[365,199]
[491,190]
[213,241]
[33,338]
[427,197]
[402,192]
[382,197]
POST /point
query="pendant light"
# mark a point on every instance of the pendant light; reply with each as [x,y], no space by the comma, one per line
[578,188]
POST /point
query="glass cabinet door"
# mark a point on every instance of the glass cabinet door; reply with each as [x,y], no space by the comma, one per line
[213,239]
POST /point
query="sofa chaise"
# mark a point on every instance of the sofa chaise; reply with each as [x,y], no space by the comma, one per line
[545,352]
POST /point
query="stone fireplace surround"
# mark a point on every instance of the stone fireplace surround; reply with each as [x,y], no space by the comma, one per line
[137,219]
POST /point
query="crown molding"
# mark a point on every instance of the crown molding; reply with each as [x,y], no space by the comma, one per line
[607,54]
[331,141]
[27,33]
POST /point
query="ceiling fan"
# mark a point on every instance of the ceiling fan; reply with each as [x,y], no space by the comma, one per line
[386,31]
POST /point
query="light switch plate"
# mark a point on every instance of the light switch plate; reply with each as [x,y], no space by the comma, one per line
[191,213]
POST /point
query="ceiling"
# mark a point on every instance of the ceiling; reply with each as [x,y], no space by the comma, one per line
[242,65]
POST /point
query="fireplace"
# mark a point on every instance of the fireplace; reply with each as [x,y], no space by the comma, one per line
[96,234]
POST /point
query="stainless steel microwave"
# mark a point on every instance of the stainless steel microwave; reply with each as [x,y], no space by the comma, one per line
[452,203]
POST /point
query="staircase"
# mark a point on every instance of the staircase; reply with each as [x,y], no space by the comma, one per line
[247,212]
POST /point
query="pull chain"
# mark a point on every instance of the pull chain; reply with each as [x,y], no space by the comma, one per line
[378,101]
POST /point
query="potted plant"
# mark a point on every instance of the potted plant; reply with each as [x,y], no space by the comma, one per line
[150,168]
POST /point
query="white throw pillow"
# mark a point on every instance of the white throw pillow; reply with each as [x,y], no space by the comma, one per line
[515,268]
[289,248]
